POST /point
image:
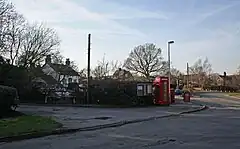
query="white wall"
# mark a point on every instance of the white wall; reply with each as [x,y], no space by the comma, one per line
[50,71]
[66,80]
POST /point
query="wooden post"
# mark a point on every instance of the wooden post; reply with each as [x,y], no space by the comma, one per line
[46,97]
[224,81]
[88,69]
[187,76]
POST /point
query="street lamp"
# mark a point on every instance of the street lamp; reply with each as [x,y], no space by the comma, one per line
[169,69]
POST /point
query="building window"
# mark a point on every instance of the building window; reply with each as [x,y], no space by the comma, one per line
[63,81]
[69,80]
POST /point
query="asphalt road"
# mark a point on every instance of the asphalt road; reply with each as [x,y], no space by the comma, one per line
[212,128]
[217,100]
[214,95]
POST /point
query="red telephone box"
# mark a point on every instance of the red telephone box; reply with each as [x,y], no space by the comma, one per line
[161,91]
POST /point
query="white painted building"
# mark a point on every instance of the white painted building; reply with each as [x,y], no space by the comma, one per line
[63,73]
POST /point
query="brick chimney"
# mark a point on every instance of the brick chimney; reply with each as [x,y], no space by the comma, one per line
[48,59]
[67,62]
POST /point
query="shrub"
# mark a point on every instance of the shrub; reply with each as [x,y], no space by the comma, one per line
[8,97]
[14,76]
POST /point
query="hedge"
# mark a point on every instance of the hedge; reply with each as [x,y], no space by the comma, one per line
[8,97]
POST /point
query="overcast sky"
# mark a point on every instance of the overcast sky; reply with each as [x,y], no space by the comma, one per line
[200,28]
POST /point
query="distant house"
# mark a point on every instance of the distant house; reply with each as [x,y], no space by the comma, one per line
[192,79]
[62,73]
[215,80]
[41,79]
[230,80]
[122,75]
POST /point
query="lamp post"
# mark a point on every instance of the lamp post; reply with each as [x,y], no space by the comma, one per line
[169,69]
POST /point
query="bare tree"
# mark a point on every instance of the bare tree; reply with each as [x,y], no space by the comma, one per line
[5,8]
[57,58]
[238,70]
[175,72]
[74,66]
[83,73]
[146,60]
[8,18]
[176,75]
[6,11]
[39,41]
[202,69]
[238,76]
[14,36]
[102,69]
[115,65]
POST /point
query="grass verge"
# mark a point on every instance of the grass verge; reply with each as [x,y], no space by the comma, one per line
[26,125]
[234,94]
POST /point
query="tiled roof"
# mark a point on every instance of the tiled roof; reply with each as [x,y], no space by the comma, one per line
[48,79]
[64,69]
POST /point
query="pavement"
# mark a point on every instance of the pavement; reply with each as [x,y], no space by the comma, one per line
[217,127]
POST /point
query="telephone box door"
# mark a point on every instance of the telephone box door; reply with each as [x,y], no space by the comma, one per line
[161,91]
[156,94]
[164,90]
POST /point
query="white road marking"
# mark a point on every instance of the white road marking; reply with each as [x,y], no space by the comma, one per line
[199,115]
[132,138]
[209,115]
[171,112]
[225,108]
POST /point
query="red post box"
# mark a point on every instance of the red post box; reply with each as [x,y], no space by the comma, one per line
[186,96]
[161,91]
[172,95]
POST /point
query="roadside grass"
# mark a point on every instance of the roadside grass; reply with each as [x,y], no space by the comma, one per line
[27,124]
[234,94]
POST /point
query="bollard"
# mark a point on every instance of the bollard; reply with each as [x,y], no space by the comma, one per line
[74,101]
[46,97]
[186,97]
[172,96]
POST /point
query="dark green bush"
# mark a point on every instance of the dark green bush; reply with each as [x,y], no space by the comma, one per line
[14,76]
[32,96]
[8,97]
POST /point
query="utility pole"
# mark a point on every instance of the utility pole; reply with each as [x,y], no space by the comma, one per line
[169,68]
[187,76]
[224,81]
[88,69]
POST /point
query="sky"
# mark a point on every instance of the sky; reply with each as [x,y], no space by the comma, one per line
[200,28]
